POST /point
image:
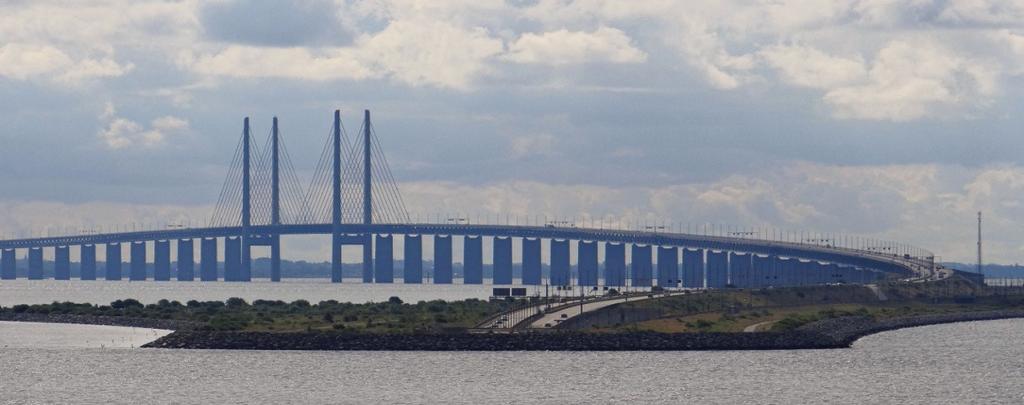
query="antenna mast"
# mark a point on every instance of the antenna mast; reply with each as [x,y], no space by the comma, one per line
[979,245]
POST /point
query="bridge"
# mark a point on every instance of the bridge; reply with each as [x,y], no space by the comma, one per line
[354,198]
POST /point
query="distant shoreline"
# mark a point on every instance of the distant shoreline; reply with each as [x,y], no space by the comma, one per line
[826,334]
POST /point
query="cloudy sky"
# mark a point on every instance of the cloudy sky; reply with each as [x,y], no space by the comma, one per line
[886,118]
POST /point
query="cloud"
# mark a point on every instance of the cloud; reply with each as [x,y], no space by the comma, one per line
[809,67]
[121,133]
[291,63]
[27,62]
[273,23]
[531,145]
[452,58]
[909,80]
[566,47]
[428,52]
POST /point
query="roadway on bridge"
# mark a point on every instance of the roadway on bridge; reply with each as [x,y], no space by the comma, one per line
[552,319]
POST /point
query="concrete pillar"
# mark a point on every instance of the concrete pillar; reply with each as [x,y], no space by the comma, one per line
[775,271]
[35,264]
[208,259]
[840,273]
[162,260]
[668,266]
[412,268]
[113,261]
[587,263]
[531,262]
[61,263]
[693,268]
[368,258]
[804,273]
[336,264]
[275,258]
[502,261]
[384,264]
[791,268]
[717,269]
[614,264]
[759,271]
[87,259]
[8,264]
[186,260]
[232,259]
[137,266]
[641,266]
[442,259]
[739,270]
[560,262]
[472,260]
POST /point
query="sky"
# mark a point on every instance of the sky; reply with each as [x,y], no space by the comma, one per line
[883,118]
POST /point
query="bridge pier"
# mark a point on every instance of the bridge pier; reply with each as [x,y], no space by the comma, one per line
[641,266]
[162,260]
[35,264]
[668,266]
[788,272]
[8,264]
[186,260]
[137,264]
[806,270]
[759,275]
[443,259]
[412,270]
[384,267]
[560,275]
[275,258]
[586,263]
[472,260]
[776,269]
[693,268]
[532,274]
[820,272]
[614,264]
[739,270]
[502,261]
[232,259]
[208,259]
[717,269]
[61,263]
[367,258]
[113,261]
[87,262]
[336,274]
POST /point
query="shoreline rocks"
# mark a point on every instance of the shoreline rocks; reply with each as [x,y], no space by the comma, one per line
[826,334]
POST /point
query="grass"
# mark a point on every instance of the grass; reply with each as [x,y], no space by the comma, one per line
[393,316]
[788,308]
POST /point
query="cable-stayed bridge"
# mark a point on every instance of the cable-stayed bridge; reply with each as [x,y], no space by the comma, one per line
[353,197]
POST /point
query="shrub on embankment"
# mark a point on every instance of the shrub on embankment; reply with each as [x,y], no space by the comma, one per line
[830,333]
[234,314]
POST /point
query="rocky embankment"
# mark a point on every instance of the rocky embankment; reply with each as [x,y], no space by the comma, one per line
[832,333]
[99,320]
[844,331]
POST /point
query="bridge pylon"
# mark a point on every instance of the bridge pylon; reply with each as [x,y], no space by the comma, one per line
[246,256]
[367,198]
[336,238]
[275,203]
